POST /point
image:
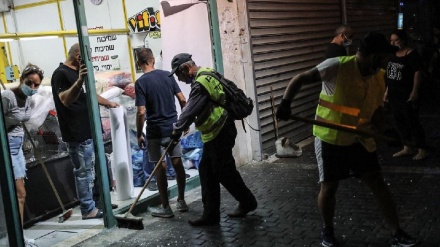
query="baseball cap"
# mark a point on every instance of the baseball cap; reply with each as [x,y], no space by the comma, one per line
[178,60]
[374,43]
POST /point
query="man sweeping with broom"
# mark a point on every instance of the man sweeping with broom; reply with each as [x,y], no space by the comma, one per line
[352,89]
[155,99]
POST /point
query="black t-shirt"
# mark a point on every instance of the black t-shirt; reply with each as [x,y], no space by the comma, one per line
[335,50]
[400,76]
[74,120]
[156,91]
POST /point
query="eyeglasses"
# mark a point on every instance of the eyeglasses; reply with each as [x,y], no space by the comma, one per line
[31,69]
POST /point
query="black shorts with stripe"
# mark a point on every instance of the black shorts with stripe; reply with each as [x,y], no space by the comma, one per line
[340,162]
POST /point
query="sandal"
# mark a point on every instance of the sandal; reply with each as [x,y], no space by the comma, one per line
[98,215]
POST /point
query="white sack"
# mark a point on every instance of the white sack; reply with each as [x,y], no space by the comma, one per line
[121,154]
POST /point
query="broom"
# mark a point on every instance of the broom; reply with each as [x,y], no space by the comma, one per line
[128,220]
[344,128]
[66,213]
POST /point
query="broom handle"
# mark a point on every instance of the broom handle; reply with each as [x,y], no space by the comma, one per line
[149,179]
[40,160]
[342,128]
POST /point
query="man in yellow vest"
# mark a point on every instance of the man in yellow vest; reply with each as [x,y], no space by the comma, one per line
[352,89]
[217,165]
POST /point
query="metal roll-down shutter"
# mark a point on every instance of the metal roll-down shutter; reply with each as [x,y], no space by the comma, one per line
[288,37]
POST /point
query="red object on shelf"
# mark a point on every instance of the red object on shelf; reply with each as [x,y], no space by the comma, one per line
[53,113]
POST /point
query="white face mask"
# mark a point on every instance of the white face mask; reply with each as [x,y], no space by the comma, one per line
[28,91]
[346,42]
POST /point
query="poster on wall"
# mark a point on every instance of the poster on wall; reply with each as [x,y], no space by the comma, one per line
[147,22]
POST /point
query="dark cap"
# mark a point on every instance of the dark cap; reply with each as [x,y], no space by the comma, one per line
[375,43]
[178,60]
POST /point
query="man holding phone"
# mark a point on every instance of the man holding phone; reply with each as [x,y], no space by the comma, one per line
[73,117]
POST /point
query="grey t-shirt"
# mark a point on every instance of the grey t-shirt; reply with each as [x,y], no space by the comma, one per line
[15,115]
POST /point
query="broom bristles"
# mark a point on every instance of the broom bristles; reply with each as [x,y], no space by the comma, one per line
[130,221]
[65,215]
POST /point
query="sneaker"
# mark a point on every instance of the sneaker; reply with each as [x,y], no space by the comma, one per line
[328,237]
[152,186]
[162,212]
[181,206]
[402,239]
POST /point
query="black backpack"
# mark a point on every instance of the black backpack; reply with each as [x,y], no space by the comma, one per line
[237,104]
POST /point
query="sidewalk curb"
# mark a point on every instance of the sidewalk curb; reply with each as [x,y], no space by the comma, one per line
[154,200]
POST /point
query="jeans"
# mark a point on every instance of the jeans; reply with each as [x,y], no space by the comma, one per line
[17,156]
[82,155]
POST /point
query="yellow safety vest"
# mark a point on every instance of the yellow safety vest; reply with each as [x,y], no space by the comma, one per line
[210,122]
[353,104]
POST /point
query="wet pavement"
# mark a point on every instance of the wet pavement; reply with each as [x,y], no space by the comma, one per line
[287,215]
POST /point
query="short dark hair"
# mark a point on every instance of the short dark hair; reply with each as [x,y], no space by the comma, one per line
[342,29]
[375,43]
[144,55]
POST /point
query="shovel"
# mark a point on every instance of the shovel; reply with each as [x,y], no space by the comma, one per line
[284,147]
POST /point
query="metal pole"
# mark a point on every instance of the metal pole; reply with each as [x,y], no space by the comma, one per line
[7,184]
[95,118]
[216,40]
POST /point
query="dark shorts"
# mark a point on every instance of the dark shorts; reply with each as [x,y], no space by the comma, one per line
[156,147]
[340,162]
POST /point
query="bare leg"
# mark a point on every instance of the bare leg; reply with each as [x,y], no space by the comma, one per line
[383,198]
[162,184]
[327,202]
[180,177]
[21,196]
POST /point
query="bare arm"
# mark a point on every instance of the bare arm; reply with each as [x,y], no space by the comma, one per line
[284,111]
[70,95]
[140,120]
[182,99]
[415,91]
[107,103]
[296,83]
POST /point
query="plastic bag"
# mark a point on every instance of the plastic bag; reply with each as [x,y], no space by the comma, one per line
[192,158]
[43,103]
[192,141]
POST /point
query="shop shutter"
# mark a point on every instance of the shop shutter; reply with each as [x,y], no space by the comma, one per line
[371,15]
[288,37]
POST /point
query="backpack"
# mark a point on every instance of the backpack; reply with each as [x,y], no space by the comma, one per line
[237,104]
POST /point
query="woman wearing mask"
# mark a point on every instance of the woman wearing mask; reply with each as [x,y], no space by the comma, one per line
[403,80]
[17,105]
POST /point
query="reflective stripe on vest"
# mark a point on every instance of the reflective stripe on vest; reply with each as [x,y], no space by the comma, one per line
[353,103]
[211,124]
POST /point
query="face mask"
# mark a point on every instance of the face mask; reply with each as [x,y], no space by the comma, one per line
[189,80]
[28,91]
[347,42]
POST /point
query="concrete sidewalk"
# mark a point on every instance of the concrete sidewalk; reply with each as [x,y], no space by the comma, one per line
[287,215]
